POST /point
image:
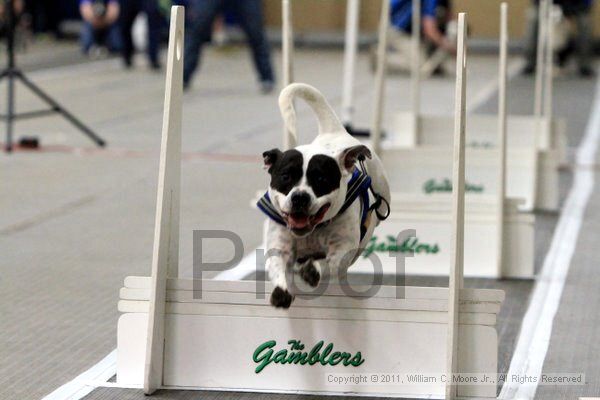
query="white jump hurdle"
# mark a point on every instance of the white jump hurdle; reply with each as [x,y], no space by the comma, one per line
[551,134]
[537,144]
[420,182]
[508,248]
[168,337]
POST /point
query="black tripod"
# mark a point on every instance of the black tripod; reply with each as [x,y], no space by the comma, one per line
[12,73]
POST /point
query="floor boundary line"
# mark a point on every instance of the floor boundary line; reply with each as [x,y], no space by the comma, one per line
[79,387]
[491,87]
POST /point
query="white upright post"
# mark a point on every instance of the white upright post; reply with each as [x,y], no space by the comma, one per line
[502,86]
[539,63]
[415,69]
[549,71]
[350,49]
[539,89]
[165,254]
[287,44]
[384,22]
[455,282]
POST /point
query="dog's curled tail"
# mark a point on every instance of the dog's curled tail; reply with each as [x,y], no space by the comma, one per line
[328,120]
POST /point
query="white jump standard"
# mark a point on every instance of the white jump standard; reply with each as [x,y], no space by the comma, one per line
[233,339]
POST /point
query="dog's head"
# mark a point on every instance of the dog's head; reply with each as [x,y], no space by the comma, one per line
[309,183]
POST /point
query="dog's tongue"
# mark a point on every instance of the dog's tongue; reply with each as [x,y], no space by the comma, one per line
[298,221]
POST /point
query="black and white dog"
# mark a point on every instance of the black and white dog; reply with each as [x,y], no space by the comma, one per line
[324,200]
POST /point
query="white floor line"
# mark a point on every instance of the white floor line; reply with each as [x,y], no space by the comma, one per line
[491,87]
[85,384]
[101,383]
[79,387]
[536,329]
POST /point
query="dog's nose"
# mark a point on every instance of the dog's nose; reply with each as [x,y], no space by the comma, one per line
[300,200]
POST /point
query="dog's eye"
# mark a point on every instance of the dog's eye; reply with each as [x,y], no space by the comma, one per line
[285,177]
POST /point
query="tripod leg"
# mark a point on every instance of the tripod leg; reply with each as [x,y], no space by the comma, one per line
[58,108]
[10,110]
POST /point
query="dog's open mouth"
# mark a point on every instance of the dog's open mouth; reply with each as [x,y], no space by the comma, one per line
[301,220]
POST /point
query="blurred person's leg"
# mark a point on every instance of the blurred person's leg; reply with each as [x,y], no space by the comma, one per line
[584,42]
[52,11]
[38,11]
[200,15]
[87,37]
[251,20]
[531,38]
[129,11]
[113,38]
[150,8]
[100,38]
[566,52]
[432,50]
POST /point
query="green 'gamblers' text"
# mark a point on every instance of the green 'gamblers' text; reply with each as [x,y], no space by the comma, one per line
[410,245]
[265,355]
[445,185]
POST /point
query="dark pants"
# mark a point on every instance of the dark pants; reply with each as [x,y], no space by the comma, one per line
[129,11]
[582,43]
[200,15]
[109,37]
[45,15]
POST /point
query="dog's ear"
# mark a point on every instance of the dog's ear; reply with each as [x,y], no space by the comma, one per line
[270,158]
[348,156]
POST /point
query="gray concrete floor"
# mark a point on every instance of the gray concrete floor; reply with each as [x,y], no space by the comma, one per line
[574,345]
[43,51]
[77,220]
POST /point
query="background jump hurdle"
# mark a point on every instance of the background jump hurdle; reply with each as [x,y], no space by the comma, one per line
[540,135]
[169,338]
[420,186]
[423,170]
[550,134]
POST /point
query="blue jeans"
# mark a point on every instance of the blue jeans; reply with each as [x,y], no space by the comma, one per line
[109,37]
[200,15]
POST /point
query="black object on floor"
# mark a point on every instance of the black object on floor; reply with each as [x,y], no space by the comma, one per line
[12,73]
[29,142]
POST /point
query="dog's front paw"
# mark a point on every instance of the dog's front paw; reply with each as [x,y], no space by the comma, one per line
[310,274]
[281,298]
